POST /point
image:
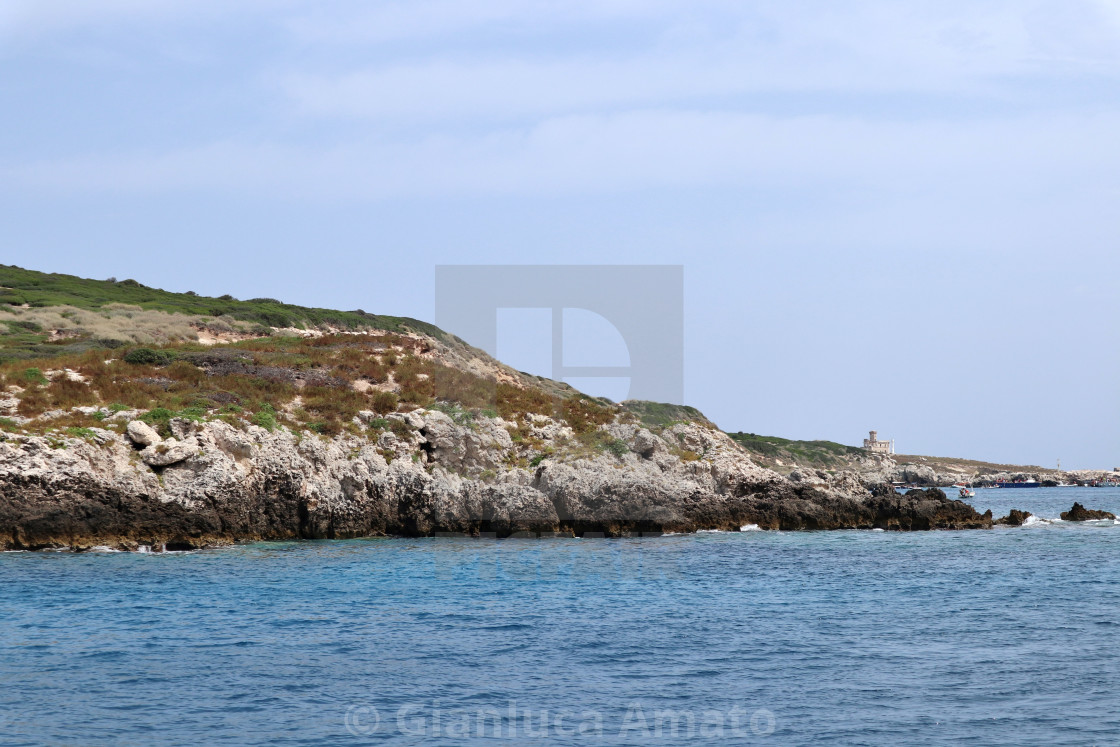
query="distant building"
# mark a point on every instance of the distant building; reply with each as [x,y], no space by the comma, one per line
[873,444]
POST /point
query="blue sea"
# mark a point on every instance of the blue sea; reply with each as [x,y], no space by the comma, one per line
[1009,636]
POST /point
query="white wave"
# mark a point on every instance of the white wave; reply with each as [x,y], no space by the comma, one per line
[1037,521]
[750,528]
[142,549]
[103,548]
[878,529]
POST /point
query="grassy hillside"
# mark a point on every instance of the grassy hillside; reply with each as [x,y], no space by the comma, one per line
[46,314]
[662,415]
[70,362]
[779,453]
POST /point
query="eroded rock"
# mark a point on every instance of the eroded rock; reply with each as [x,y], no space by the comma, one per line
[1077,512]
[142,434]
[169,452]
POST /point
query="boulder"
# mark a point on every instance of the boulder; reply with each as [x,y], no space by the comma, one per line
[168,452]
[142,434]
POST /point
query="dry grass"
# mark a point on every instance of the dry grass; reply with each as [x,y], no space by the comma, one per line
[321,371]
[124,323]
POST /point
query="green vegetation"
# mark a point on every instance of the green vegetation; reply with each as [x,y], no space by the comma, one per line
[160,417]
[536,461]
[265,417]
[617,447]
[27,338]
[663,415]
[34,376]
[602,442]
[818,454]
[455,412]
[147,356]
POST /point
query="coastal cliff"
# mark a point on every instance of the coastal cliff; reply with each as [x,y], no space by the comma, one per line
[131,417]
[214,483]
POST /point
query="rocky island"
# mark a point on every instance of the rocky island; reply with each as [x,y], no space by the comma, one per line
[133,418]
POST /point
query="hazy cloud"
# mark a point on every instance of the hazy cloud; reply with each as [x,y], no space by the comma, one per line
[634,150]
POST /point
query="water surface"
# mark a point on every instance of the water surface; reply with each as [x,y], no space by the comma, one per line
[1006,636]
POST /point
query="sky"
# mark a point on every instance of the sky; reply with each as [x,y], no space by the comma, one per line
[899,216]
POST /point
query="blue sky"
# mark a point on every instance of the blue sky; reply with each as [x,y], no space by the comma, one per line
[899,216]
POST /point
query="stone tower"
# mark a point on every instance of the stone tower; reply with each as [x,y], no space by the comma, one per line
[876,446]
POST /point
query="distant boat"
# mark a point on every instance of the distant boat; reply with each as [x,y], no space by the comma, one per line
[1021,484]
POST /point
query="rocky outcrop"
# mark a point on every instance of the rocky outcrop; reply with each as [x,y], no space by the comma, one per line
[1079,513]
[1015,518]
[214,483]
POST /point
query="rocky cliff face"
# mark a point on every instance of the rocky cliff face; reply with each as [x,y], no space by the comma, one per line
[215,483]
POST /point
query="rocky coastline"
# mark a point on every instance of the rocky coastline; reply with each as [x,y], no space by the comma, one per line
[327,424]
[212,483]
[932,472]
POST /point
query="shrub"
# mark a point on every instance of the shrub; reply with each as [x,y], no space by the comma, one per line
[684,455]
[265,417]
[584,415]
[147,357]
[158,418]
[34,401]
[383,402]
[34,376]
[455,412]
[185,372]
[66,393]
[617,446]
[378,424]
[324,427]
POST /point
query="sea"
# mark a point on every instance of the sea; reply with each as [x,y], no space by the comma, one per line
[1001,637]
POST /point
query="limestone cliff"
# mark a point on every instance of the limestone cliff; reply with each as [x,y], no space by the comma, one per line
[214,483]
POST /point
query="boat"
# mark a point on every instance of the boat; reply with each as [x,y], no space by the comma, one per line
[1019,484]
[967,492]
